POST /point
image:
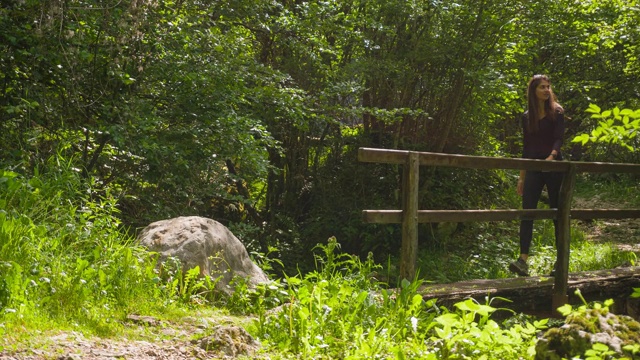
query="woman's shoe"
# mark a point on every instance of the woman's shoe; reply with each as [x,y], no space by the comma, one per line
[519,267]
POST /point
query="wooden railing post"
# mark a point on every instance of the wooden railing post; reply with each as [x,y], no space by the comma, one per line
[561,285]
[409,251]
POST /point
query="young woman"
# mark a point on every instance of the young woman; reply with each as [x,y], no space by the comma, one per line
[543,131]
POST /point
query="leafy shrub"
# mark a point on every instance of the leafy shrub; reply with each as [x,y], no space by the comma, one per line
[340,311]
[613,136]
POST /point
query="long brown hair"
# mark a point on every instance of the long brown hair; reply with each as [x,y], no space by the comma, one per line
[551,105]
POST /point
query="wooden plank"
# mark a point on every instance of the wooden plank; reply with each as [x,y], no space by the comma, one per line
[390,156]
[600,167]
[560,296]
[532,295]
[588,214]
[409,252]
[486,162]
[382,156]
[434,216]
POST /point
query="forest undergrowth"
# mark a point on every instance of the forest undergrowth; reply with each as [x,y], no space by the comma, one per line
[73,286]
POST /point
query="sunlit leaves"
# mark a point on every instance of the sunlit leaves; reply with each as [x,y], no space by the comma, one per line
[614,126]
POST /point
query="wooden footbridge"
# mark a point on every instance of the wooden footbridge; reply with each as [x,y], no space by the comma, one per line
[533,294]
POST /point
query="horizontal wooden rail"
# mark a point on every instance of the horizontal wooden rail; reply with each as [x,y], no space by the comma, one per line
[436,216]
[387,156]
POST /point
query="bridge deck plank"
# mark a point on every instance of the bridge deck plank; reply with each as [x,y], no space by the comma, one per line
[532,295]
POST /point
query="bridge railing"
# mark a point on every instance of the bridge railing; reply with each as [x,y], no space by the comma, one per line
[410,216]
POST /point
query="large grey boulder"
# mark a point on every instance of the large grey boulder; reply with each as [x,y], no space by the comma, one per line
[203,242]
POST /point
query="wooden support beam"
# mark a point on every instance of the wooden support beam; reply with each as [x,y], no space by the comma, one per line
[560,287]
[386,156]
[589,214]
[600,167]
[409,251]
[383,156]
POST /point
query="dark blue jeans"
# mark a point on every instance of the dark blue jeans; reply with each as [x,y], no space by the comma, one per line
[534,182]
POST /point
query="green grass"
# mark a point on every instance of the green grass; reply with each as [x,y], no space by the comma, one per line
[66,265]
[64,262]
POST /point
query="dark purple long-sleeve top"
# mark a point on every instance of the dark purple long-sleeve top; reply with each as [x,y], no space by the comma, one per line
[550,135]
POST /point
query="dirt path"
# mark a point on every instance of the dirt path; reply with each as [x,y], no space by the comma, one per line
[192,338]
[624,233]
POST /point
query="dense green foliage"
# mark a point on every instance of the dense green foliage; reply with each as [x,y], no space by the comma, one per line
[616,132]
[251,112]
[114,114]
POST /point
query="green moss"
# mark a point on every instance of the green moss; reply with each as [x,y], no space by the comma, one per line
[561,343]
[584,327]
[585,322]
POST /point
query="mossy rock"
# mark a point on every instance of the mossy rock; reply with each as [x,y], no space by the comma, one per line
[585,328]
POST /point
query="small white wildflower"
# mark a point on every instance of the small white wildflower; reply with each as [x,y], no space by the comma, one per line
[414,323]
